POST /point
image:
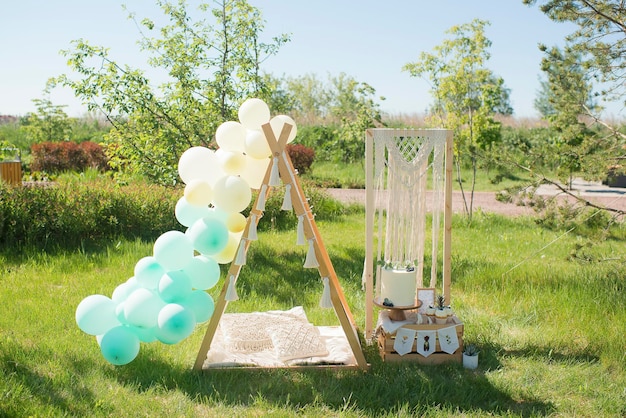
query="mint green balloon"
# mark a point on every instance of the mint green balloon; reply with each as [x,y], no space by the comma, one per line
[175,323]
[142,307]
[121,292]
[186,213]
[208,236]
[95,315]
[145,335]
[173,250]
[174,286]
[201,304]
[119,345]
[203,271]
[148,272]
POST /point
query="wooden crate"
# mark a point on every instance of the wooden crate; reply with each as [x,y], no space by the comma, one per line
[387,352]
[11,172]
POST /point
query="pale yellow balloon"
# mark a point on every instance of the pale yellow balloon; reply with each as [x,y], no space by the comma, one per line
[253,113]
[230,136]
[278,122]
[256,145]
[198,192]
[255,171]
[228,253]
[236,222]
[231,194]
[232,163]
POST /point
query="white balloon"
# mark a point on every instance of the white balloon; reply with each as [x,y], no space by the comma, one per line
[230,136]
[256,144]
[232,162]
[277,124]
[253,113]
[255,172]
[232,194]
[199,163]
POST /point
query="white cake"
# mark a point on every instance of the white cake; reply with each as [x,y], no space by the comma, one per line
[398,286]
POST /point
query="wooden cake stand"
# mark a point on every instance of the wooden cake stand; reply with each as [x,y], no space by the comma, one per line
[397,313]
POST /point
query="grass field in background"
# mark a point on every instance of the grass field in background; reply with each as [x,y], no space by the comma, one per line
[352,176]
[550,330]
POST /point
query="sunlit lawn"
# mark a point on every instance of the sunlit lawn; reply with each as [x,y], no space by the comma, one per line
[550,331]
[352,175]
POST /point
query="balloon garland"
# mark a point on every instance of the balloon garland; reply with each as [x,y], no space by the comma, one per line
[166,297]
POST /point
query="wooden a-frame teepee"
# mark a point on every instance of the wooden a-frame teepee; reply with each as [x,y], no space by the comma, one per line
[281,166]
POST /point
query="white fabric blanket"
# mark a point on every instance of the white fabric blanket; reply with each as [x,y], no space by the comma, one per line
[285,339]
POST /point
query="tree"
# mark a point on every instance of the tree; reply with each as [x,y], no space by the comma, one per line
[542,100]
[568,92]
[343,105]
[211,68]
[467,94]
[310,98]
[49,124]
[599,39]
[354,103]
[599,46]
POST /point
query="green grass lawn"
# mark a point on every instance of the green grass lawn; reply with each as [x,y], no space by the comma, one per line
[550,330]
[352,176]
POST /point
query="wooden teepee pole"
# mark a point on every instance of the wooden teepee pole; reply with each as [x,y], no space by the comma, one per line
[301,207]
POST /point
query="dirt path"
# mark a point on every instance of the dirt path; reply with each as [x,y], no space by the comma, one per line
[486,201]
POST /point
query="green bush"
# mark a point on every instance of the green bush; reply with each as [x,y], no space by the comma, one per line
[83,213]
[77,213]
[322,205]
[321,138]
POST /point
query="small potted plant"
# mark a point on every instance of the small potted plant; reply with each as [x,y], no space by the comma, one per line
[470,356]
[441,315]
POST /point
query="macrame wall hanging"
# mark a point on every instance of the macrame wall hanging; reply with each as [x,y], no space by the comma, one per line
[407,177]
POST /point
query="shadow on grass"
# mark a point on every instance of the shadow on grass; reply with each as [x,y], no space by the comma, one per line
[387,388]
[280,276]
[548,355]
[35,386]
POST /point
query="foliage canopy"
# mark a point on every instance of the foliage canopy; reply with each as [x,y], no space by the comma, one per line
[467,94]
[211,65]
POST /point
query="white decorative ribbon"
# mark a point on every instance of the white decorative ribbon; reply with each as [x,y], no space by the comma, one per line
[311,259]
[240,260]
[287,199]
[260,205]
[300,231]
[274,174]
[326,301]
[231,292]
[252,235]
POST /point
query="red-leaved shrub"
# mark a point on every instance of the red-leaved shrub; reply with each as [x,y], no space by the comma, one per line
[301,157]
[56,157]
[96,157]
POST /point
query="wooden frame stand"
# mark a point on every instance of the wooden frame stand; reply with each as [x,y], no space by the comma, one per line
[386,340]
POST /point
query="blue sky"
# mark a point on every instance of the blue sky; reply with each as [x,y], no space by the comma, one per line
[368,40]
